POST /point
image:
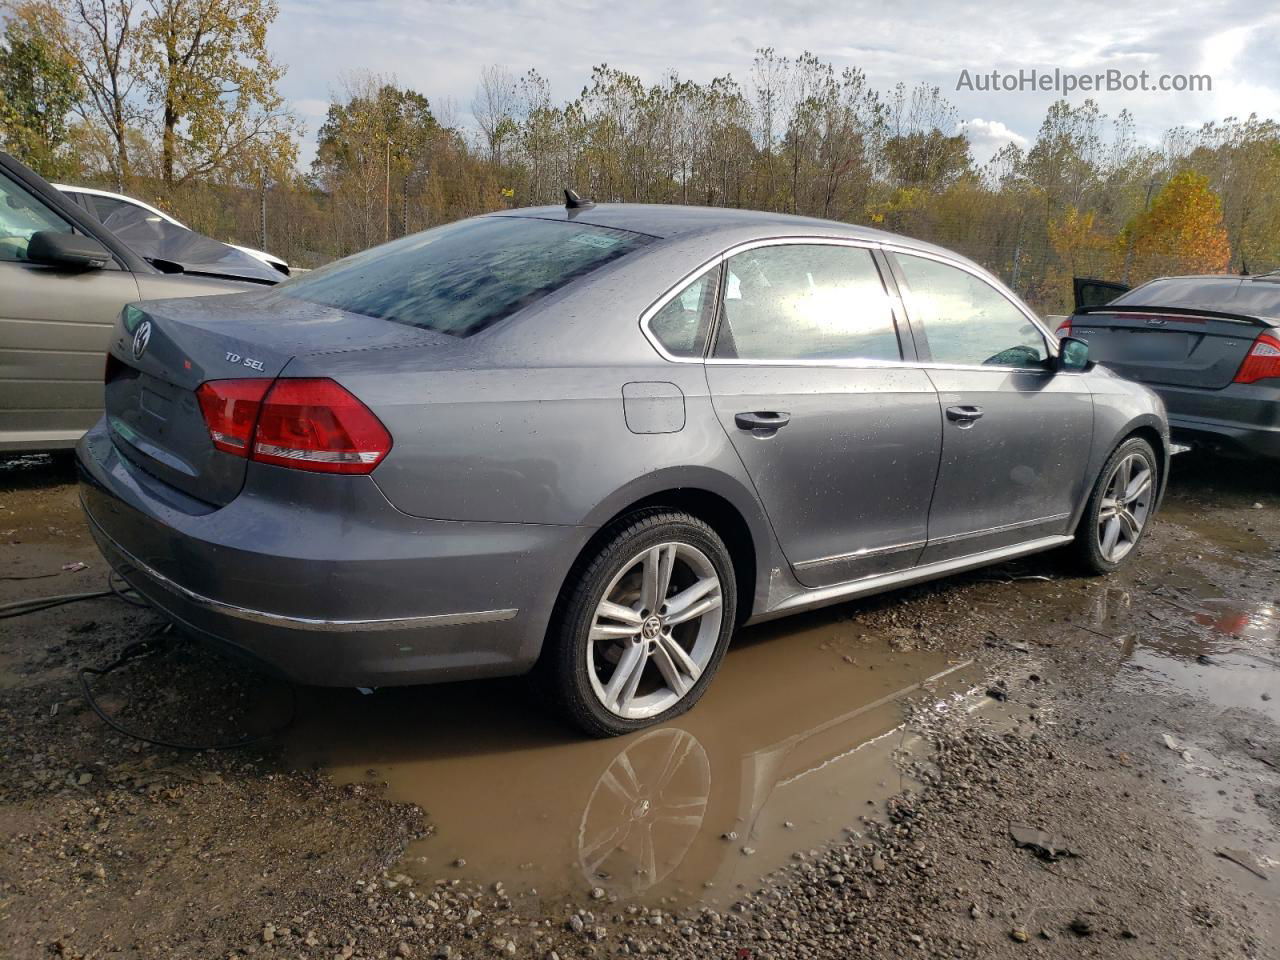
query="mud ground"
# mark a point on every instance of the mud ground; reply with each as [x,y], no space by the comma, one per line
[857,781]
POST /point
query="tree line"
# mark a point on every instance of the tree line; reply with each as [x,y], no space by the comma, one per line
[177,102]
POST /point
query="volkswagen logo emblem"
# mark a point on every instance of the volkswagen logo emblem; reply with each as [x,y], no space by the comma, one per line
[141,337]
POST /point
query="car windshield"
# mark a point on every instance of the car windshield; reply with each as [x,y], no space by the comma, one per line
[1243,295]
[464,277]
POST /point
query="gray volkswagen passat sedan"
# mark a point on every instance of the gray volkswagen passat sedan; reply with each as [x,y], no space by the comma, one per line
[591,442]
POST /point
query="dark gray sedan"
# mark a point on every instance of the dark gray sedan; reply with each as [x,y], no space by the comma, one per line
[1208,345]
[589,442]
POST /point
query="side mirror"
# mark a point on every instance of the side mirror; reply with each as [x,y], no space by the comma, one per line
[1073,354]
[67,250]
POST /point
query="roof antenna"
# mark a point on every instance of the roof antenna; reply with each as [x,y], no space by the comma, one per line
[574,202]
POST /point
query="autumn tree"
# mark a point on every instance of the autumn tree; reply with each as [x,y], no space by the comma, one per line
[211,83]
[38,88]
[494,109]
[922,148]
[1081,248]
[1182,232]
[99,38]
[375,150]
[1241,158]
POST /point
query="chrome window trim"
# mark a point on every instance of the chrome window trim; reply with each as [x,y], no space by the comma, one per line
[880,364]
[733,251]
[895,303]
[861,554]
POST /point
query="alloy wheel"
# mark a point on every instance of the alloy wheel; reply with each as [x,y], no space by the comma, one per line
[654,630]
[1125,506]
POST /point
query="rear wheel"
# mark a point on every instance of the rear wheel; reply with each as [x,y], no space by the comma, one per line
[1116,516]
[643,626]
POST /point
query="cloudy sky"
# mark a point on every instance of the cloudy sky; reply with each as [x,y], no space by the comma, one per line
[439,47]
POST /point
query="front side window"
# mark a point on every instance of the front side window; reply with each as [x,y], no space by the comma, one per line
[461,278]
[21,216]
[683,323]
[805,302]
[967,321]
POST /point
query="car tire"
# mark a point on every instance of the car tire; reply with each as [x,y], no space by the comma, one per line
[611,664]
[1105,537]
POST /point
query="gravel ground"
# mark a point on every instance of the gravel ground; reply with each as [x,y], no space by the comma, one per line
[1110,786]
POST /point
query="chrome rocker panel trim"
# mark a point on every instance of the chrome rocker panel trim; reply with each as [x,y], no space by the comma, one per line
[837,593]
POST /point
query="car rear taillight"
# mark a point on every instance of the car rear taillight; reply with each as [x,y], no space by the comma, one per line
[306,424]
[1064,328]
[230,409]
[1262,362]
[319,425]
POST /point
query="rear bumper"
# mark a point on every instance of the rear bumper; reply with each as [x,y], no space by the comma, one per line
[326,582]
[1240,419]
[1227,438]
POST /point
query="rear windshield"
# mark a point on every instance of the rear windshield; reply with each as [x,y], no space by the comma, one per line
[1252,298]
[461,278]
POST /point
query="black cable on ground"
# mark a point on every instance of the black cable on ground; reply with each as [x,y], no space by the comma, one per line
[118,587]
[21,607]
[148,647]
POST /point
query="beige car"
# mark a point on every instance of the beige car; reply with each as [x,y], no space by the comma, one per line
[63,280]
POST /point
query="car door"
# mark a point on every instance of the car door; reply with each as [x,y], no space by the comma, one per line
[840,437]
[54,327]
[1016,434]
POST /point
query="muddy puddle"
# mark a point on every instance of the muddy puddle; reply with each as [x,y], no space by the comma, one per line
[794,741]
[1214,664]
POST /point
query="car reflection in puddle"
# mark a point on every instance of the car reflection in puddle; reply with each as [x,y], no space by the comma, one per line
[796,739]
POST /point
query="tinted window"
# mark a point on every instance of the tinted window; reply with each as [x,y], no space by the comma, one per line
[682,325]
[459,279]
[21,215]
[805,302]
[1255,298]
[967,321]
[106,206]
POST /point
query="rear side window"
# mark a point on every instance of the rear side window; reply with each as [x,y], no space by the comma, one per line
[966,320]
[461,278]
[682,325]
[805,302]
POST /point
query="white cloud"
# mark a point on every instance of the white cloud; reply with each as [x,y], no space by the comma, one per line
[988,136]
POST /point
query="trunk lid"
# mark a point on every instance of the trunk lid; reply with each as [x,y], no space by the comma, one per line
[1164,345]
[162,351]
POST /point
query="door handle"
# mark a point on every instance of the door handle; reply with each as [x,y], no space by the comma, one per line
[963,415]
[763,420]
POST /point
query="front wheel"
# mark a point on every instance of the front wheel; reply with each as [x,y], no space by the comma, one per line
[1116,516]
[643,625]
